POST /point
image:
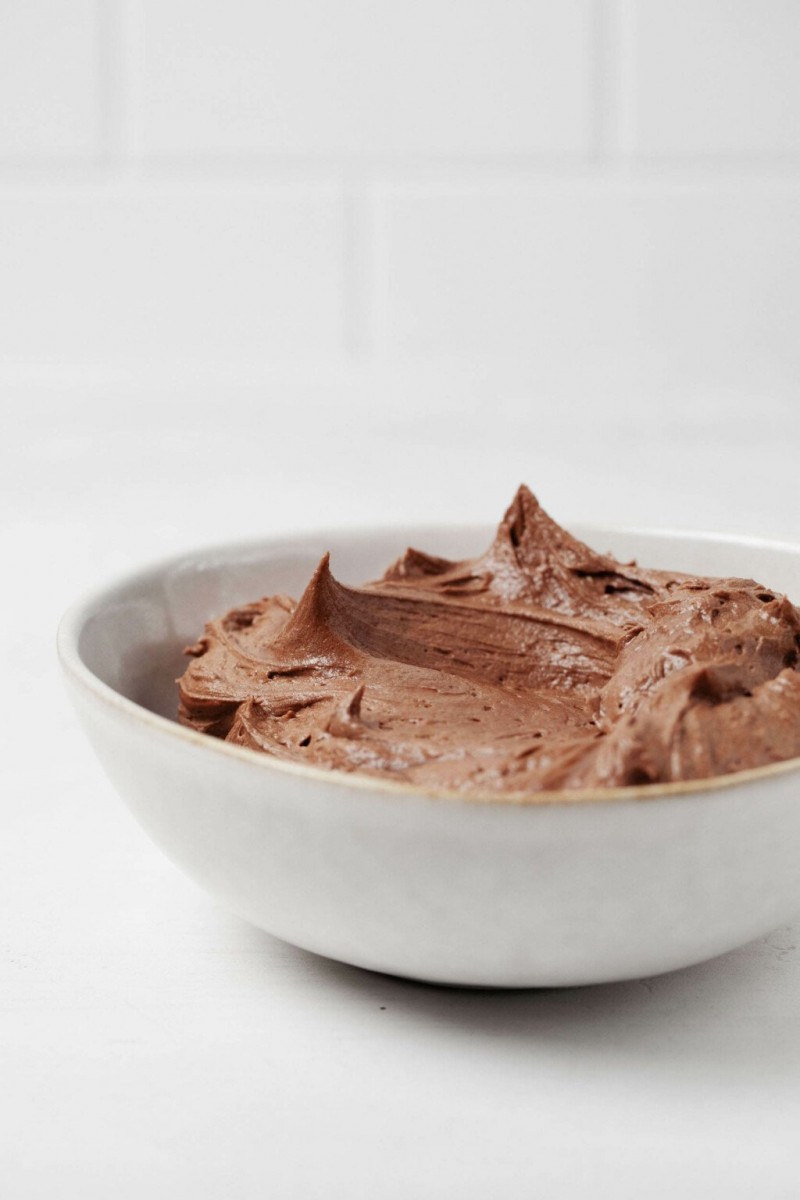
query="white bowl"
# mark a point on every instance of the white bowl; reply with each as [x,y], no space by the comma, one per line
[560,888]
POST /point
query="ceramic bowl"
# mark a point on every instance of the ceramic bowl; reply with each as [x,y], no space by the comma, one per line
[559,888]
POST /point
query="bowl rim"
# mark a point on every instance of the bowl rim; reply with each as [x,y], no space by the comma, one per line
[80,611]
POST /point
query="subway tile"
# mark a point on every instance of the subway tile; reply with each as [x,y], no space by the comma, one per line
[427,77]
[718,292]
[606,289]
[715,77]
[539,273]
[172,274]
[49,79]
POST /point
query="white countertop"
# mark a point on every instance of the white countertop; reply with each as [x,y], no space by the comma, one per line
[151,1045]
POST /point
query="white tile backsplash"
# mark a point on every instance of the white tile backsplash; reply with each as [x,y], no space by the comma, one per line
[718,292]
[123,274]
[595,198]
[50,73]
[716,77]
[608,289]
[422,77]
[540,272]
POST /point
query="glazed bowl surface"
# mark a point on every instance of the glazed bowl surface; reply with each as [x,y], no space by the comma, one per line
[552,889]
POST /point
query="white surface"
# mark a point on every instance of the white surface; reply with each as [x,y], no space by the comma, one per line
[601,194]
[618,289]
[292,79]
[50,76]
[122,274]
[715,77]
[152,1045]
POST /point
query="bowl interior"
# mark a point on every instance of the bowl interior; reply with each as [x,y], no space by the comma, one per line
[131,635]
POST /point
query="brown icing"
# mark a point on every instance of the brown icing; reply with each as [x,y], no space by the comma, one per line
[539,665]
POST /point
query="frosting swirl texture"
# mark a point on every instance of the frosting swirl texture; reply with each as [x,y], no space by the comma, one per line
[539,665]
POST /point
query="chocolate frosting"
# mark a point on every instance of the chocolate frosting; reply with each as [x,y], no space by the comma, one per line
[539,665]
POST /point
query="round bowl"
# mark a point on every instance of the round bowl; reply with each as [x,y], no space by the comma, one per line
[555,889]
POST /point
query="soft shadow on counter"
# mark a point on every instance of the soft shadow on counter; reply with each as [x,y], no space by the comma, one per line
[731,1020]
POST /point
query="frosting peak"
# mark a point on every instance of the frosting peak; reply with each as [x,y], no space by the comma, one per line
[538,664]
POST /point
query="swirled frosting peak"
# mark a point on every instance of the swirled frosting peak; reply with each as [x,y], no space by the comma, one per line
[540,664]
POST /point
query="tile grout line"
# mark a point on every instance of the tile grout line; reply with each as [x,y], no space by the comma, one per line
[600,87]
[119,32]
[612,91]
[111,101]
[625,125]
[104,89]
[644,170]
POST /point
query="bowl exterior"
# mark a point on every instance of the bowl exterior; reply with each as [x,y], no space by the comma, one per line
[459,892]
[452,891]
